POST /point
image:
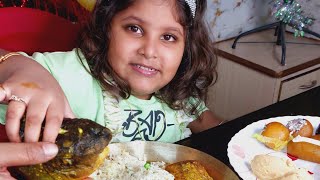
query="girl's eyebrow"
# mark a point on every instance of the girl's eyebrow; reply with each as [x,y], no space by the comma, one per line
[177,30]
[135,18]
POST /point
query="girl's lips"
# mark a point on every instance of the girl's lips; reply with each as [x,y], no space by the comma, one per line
[145,70]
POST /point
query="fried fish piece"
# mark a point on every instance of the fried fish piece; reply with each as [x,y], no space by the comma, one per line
[82,147]
[188,170]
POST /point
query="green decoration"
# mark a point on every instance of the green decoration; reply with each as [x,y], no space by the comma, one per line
[290,13]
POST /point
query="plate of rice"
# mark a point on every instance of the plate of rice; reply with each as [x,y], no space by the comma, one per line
[146,160]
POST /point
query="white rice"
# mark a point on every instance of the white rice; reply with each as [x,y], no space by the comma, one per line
[122,166]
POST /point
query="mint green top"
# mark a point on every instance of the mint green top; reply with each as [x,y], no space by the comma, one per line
[128,119]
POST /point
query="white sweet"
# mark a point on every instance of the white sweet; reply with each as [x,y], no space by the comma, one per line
[296,124]
[266,167]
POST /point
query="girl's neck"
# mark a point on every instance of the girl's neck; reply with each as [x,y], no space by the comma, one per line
[143,97]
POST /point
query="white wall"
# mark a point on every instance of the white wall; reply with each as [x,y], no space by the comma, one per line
[228,18]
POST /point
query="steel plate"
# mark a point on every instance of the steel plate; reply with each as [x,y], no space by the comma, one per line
[171,153]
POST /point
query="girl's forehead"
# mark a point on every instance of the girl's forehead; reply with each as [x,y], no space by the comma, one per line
[152,10]
[164,3]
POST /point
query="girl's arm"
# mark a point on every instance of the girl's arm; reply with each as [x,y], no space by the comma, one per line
[43,96]
[206,121]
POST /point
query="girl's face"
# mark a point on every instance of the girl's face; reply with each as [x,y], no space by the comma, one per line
[146,45]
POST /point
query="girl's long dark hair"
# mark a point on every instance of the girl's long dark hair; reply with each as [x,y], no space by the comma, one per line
[196,71]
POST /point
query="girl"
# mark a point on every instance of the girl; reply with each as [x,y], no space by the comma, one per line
[142,69]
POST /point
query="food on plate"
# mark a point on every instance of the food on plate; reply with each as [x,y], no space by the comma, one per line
[318,129]
[190,170]
[121,165]
[276,130]
[270,167]
[266,167]
[305,148]
[274,135]
[82,147]
[300,127]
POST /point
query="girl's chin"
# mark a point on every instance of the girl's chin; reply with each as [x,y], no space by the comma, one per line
[144,89]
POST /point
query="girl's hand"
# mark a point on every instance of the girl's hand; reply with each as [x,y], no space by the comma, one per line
[31,91]
[17,154]
[206,121]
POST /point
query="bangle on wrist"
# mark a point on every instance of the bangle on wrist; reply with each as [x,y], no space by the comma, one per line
[6,56]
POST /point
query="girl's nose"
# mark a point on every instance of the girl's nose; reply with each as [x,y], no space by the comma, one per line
[148,49]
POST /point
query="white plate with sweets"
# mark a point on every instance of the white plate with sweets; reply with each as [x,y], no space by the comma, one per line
[244,146]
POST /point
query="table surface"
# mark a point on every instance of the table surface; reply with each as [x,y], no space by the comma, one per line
[260,52]
[215,141]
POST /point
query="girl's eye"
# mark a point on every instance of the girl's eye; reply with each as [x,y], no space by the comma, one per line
[169,37]
[134,29]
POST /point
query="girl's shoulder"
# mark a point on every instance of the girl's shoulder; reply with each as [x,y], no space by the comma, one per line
[74,54]
[64,60]
[61,56]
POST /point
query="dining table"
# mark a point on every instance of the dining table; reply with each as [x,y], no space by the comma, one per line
[215,141]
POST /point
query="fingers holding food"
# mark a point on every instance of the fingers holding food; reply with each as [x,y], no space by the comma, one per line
[82,147]
[36,105]
[35,117]
[51,128]
[54,118]
[38,96]
[15,112]
[26,153]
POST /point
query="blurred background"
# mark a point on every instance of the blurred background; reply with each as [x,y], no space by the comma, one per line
[227,18]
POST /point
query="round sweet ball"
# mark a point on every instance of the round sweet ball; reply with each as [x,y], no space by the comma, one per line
[276,130]
[301,127]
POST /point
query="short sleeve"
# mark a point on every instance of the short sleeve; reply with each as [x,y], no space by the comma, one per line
[201,107]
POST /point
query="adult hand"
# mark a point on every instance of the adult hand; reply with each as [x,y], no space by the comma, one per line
[30,90]
[17,154]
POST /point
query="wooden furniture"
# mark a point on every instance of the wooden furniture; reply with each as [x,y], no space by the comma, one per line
[251,77]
